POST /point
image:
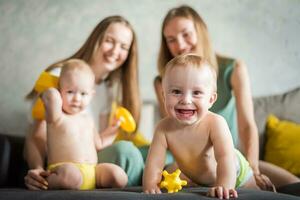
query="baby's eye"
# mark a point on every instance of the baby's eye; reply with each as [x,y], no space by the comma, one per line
[197,93]
[186,34]
[176,91]
[70,92]
[83,93]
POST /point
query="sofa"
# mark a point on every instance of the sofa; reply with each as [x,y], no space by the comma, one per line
[285,106]
[13,168]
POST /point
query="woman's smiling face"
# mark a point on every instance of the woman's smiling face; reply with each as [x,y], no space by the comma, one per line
[181,36]
[115,46]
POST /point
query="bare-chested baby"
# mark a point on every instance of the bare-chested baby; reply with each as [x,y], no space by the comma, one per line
[72,139]
[199,140]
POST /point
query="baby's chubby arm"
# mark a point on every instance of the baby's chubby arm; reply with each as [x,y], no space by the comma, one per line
[225,158]
[155,162]
[53,104]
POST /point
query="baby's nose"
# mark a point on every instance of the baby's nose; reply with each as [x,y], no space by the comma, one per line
[77,97]
[186,99]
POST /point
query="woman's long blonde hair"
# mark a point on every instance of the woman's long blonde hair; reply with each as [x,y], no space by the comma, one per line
[204,46]
[126,75]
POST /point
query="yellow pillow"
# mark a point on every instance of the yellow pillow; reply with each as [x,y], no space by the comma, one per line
[283,144]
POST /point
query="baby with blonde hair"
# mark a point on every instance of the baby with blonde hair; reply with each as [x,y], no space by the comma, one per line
[72,139]
[199,139]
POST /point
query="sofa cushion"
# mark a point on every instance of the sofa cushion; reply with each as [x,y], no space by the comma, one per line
[4,159]
[283,144]
[286,106]
[12,165]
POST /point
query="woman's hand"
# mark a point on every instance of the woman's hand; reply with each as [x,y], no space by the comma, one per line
[222,192]
[264,183]
[36,179]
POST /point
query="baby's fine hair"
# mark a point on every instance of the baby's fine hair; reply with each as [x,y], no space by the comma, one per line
[75,64]
[190,60]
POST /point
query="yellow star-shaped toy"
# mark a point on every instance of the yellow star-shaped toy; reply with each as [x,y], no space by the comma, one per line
[172,182]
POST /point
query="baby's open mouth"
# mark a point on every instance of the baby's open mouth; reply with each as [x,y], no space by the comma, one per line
[184,113]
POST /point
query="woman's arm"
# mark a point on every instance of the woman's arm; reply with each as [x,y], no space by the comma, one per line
[159,95]
[35,153]
[245,115]
[35,145]
[246,123]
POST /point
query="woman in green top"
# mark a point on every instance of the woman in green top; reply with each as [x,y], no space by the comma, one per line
[184,31]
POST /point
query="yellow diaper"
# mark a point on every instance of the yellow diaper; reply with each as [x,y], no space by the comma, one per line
[88,174]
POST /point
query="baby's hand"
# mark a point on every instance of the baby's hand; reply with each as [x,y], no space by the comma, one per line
[113,128]
[151,189]
[116,123]
[222,192]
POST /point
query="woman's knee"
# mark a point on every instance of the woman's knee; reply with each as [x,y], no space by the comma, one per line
[125,148]
[116,153]
[128,157]
[276,174]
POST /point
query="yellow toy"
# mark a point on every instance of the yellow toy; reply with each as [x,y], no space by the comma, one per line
[128,125]
[138,139]
[45,81]
[172,182]
[38,110]
[121,113]
[127,121]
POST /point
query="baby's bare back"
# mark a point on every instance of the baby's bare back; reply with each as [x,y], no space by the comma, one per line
[71,139]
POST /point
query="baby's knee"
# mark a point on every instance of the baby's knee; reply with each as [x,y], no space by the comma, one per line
[110,175]
[119,177]
[65,177]
[72,181]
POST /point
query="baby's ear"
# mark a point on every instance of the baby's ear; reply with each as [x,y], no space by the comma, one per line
[213,98]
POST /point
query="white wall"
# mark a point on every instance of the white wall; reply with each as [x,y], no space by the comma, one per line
[35,33]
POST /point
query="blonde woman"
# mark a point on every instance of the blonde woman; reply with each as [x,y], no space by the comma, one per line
[111,51]
[184,31]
